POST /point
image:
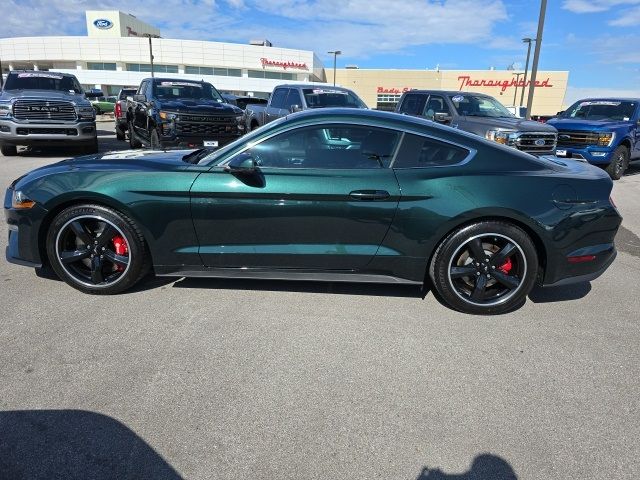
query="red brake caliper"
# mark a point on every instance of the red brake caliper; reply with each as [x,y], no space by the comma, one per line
[120,247]
[506,266]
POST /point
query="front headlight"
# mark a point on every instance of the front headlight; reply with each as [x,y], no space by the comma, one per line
[86,113]
[605,139]
[241,122]
[19,200]
[503,137]
[166,115]
[5,110]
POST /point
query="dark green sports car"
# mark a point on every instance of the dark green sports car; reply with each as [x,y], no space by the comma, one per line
[334,195]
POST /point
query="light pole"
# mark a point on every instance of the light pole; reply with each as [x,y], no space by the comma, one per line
[526,65]
[335,54]
[516,90]
[150,36]
[536,56]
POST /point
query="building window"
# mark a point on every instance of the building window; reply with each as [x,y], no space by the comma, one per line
[145,67]
[387,101]
[100,66]
[271,75]
[198,70]
[223,72]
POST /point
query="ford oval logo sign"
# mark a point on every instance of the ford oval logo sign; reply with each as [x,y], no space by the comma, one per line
[103,23]
[539,142]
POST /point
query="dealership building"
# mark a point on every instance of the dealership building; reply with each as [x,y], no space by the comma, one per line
[116,53]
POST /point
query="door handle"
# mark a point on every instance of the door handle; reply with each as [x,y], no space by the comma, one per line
[370,194]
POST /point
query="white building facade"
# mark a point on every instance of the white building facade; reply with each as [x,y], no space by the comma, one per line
[116,54]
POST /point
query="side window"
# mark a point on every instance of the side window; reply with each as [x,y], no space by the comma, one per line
[413,104]
[422,152]
[279,97]
[436,104]
[293,99]
[337,146]
[143,88]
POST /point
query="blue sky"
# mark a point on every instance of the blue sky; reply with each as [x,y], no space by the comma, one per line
[593,39]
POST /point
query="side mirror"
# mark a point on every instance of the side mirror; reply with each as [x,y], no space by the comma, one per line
[442,117]
[295,108]
[243,164]
[139,98]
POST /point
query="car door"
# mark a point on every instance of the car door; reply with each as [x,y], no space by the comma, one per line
[321,197]
[276,106]
[140,111]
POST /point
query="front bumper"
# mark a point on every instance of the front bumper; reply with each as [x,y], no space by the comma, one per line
[35,133]
[592,154]
[24,226]
[190,142]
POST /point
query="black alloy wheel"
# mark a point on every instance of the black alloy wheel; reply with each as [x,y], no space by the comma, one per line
[96,249]
[488,267]
[619,162]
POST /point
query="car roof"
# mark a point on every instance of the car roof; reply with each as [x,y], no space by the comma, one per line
[609,99]
[41,71]
[312,86]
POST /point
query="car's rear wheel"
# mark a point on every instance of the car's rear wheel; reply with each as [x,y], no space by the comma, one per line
[487,267]
[9,150]
[619,162]
[96,249]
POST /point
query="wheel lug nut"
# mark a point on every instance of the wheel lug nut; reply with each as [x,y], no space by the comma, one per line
[477,273]
[488,276]
[96,242]
[104,248]
[493,266]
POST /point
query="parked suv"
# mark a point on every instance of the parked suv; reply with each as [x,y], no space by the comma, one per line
[120,111]
[602,131]
[40,108]
[480,114]
[174,112]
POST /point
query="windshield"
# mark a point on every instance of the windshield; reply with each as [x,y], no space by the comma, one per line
[479,106]
[42,81]
[319,98]
[168,90]
[601,110]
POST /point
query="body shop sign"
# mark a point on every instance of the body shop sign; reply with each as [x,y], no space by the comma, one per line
[393,91]
[266,62]
[467,81]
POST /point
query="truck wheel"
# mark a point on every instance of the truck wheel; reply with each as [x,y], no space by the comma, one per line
[120,133]
[154,140]
[133,141]
[619,162]
[9,150]
[91,147]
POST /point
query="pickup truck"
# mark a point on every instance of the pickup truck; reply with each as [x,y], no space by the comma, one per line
[602,131]
[287,99]
[39,108]
[120,111]
[168,112]
[480,114]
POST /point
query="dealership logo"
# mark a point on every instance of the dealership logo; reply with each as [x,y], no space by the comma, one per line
[467,81]
[276,63]
[103,23]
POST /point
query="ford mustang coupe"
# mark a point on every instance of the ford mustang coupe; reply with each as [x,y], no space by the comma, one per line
[333,195]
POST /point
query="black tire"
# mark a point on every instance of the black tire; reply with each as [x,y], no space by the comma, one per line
[93,263]
[254,125]
[9,150]
[154,140]
[497,283]
[133,140]
[91,147]
[120,133]
[619,162]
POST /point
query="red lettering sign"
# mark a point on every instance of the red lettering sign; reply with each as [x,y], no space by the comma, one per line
[467,81]
[132,33]
[394,91]
[276,63]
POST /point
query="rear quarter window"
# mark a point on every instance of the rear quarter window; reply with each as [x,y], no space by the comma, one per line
[424,152]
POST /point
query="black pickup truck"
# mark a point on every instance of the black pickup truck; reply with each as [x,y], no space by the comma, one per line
[167,112]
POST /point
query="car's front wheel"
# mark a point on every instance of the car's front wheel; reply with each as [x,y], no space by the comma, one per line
[619,162]
[488,267]
[96,249]
[9,150]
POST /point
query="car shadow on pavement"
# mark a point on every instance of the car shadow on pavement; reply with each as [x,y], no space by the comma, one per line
[74,444]
[564,293]
[339,288]
[484,467]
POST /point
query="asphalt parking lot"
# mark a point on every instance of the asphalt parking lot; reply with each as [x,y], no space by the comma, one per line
[224,379]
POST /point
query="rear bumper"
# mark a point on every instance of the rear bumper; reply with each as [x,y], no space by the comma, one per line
[13,133]
[603,260]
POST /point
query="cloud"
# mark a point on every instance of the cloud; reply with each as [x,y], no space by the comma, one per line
[593,6]
[630,18]
[357,27]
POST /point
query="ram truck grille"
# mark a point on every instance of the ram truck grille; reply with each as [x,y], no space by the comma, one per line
[47,110]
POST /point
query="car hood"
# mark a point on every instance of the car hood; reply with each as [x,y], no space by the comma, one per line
[519,124]
[590,125]
[185,105]
[45,94]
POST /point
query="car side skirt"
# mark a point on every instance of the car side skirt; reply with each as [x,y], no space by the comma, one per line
[269,274]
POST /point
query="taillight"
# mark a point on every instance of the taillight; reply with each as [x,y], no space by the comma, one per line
[118,109]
